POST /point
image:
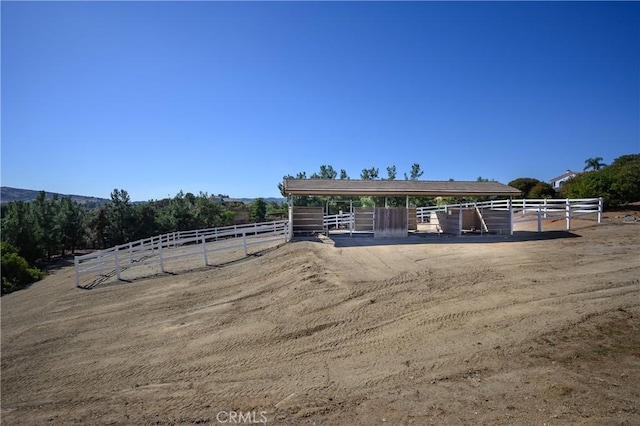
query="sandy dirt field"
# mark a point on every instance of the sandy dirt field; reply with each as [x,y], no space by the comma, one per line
[428,330]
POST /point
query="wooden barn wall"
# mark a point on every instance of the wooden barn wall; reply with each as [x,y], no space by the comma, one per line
[363,219]
[470,220]
[390,222]
[498,221]
[413,219]
[448,221]
[307,220]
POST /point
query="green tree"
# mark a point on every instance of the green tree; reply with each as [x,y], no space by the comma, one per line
[71,221]
[258,210]
[343,174]
[180,215]
[146,220]
[415,173]
[617,184]
[48,232]
[15,270]
[327,172]
[594,163]
[391,172]
[524,184]
[97,224]
[369,174]
[207,212]
[19,230]
[121,218]
[541,190]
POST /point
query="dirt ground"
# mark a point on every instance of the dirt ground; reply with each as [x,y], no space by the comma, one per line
[534,329]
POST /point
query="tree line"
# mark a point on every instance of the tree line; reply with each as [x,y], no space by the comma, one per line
[39,230]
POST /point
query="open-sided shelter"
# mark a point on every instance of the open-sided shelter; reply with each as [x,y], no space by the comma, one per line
[385,221]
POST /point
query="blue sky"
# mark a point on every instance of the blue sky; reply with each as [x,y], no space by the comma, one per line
[219,97]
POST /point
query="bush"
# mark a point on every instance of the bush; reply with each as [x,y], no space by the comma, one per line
[541,190]
[16,271]
[617,184]
[533,188]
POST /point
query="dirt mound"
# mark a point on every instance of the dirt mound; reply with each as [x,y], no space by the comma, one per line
[493,332]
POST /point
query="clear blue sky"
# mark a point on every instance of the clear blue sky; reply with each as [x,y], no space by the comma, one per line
[155,97]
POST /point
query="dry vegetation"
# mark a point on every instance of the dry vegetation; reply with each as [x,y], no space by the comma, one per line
[443,331]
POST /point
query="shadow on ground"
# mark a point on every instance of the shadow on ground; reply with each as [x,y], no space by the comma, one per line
[344,240]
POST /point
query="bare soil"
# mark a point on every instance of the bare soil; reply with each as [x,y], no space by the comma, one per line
[534,329]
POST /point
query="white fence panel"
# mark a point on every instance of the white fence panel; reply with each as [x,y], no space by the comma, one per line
[529,210]
[176,245]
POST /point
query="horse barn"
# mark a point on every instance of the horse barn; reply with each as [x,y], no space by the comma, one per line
[385,221]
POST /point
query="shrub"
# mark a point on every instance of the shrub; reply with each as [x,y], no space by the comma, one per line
[541,190]
[16,271]
[617,184]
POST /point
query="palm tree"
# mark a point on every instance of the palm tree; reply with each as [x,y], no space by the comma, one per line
[594,163]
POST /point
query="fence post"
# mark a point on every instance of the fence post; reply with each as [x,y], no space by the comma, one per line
[600,208]
[460,220]
[204,250]
[117,264]
[76,263]
[568,214]
[545,208]
[244,242]
[160,253]
[539,221]
[510,207]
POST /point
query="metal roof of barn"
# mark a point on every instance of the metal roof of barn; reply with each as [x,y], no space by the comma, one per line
[396,188]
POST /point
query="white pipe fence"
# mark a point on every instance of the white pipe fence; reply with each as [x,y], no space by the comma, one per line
[175,245]
[338,220]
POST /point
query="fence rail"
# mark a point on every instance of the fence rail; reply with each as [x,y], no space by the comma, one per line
[530,210]
[176,245]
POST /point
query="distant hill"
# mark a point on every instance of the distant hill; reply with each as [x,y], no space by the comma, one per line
[251,200]
[8,194]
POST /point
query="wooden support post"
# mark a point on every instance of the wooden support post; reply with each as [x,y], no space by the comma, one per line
[460,220]
[351,218]
[407,209]
[290,224]
[568,213]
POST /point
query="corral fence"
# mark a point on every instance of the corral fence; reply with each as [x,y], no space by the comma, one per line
[528,210]
[176,245]
[521,210]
